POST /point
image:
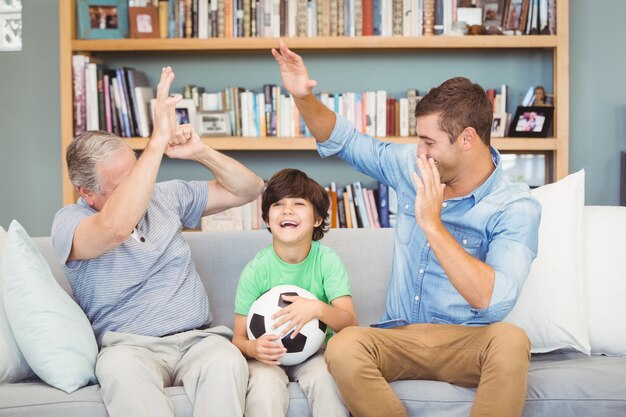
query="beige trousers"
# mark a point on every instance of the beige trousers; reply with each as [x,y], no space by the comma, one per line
[268,395]
[494,358]
[134,371]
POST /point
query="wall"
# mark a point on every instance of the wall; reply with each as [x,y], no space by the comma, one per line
[598,95]
[30,169]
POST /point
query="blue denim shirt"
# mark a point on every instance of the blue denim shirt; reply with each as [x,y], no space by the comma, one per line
[496,223]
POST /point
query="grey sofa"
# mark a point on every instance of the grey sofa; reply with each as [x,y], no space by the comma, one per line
[560,384]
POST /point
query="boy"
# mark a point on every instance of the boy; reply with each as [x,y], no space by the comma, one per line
[295,208]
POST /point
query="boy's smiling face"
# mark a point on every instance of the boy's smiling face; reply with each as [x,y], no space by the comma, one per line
[292,220]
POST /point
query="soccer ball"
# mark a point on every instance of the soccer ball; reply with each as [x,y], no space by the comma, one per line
[308,340]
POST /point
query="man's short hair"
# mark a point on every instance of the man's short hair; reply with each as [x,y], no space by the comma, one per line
[460,104]
[293,183]
[84,154]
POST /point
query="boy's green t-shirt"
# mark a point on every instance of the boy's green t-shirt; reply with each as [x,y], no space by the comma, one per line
[322,273]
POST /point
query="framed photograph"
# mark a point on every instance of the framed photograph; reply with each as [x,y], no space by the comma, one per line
[498,127]
[492,13]
[213,123]
[143,22]
[102,19]
[185,112]
[531,122]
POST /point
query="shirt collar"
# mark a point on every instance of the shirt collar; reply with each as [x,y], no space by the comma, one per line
[486,187]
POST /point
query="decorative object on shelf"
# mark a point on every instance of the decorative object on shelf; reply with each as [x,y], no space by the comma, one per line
[143,22]
[498,128]
[213,123]
[102,19]
[186,112]
[541,98]
[10,25]
[532,122]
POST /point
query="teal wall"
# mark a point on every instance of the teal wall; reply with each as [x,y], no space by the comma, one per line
[30,168]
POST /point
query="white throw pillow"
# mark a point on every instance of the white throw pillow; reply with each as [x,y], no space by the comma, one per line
[13,366]
[551,307]
[51,330]
[605,241]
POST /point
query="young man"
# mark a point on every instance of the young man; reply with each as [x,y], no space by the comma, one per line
[464,241]
[295,209]
[131,271]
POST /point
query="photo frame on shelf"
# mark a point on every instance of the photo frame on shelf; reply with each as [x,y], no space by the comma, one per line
[213,123]
[102,19]
[185,112]
[531,122]
[143,22]
[498,127]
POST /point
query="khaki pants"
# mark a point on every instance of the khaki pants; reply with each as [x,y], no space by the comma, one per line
[493,358]
[134,371]
[268,395]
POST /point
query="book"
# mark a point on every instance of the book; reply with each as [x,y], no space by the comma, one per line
[359,204]
[144,95]
[79,98]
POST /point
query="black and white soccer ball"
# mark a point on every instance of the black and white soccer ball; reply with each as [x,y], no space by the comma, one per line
[309,339]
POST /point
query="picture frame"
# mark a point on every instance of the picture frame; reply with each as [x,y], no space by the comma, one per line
[498,126]
[492,13]
[143,22]
[531,122]
[185,111]
[213,123]
[102,19]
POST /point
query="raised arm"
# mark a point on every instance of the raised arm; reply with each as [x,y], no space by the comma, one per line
[319,118]
[127,183]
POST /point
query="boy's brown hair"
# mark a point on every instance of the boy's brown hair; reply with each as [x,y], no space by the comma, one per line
[460,104]
[294,183]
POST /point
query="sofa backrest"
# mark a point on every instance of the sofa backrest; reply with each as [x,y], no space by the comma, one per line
[221,256]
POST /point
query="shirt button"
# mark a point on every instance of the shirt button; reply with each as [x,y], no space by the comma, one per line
[465,241]
[406,207]
[445,205]
[421,270]
[427,245]
[417,298]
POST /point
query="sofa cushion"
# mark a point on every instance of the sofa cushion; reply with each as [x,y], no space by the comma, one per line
[13,366]
[551,306]
[605,242]
[51,330]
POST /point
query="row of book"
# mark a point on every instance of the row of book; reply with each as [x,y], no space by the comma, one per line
[310,18]
[115,100]
[352,206]
[119,101]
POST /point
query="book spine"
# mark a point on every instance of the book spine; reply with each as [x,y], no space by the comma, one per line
[79,97]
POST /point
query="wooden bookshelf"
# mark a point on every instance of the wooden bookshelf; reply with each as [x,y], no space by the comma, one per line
[556,149]
[230,143]
[374,43]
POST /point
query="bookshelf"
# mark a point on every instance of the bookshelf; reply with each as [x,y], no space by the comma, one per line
[555,148]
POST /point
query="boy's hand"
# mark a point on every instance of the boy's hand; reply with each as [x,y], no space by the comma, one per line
[298,313]
[267,349]
[293,71]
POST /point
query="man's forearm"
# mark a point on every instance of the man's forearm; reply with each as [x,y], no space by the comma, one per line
[130,200]
[319,119]
[472,278]
[230,174]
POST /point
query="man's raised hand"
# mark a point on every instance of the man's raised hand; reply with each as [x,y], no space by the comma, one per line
[293,71]
[165,109]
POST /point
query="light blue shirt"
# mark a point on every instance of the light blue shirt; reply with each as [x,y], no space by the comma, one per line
[148,285]
[496,223]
